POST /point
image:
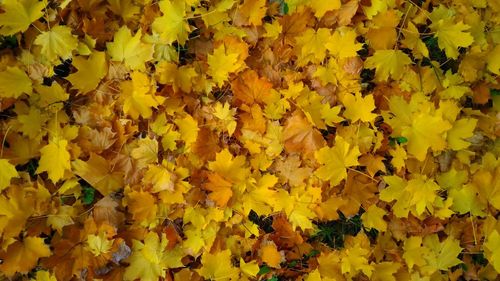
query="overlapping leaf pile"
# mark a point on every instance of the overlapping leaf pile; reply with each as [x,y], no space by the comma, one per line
[244,140]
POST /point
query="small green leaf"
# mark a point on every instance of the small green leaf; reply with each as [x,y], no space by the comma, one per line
[495,92]
[264,270]
[88,194]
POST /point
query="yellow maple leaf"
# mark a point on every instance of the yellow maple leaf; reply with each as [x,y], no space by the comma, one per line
[16,206]
[19,14]
[311,45]
[125,8]
[384,271]
[226,116]
[374,218]
[414,252]
[130,49]
[342,43]
[465,200]
[146,152]
[54,159]
[451,36]
[142,205]
[218,266]
[426,131]
[98,173]
[138,96]
[98,244]
[8,172]
[62,217]
[14,82]
[461,130]
[22,256]
[160,178]
[172,25]
[492,249]
[230,167]
[321,7]
[250,268]
[180,77]
[359,108]
[442,255]
[57,43]
[416,195]
[335,160]
[150,260]
[388,63]
[31,123]
[220,189]
[90,72]
[354,258]
[221,64]
[188,129]
[412,40]
[254,11]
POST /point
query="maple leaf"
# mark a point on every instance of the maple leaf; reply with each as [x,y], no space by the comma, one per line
[130,49]
[492,249]
[250,88]
[56,43]
[15,208]
[90,72]
[188,129]
[359,108]
[22,256]
[220,189]
[461,130]
[98,173]
[221,64]
[355,257]
[14,82]
[336,160]
[226,115]
[125,8]
[179,77]
[19,14]
[300,136]
[465,201]
[415,195]
[8,172]
[451,36]
[249,268]
[426,132]
[311,45]
[385,271]
[218,266]
[253,11]
[342,43]
[443,255]
[388,63]
[414,252]
[138,96]
[373,218]
[160,178]
[142,206]
[55,159]
[149,260]
[321,7]
[230,167]
[172,26]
